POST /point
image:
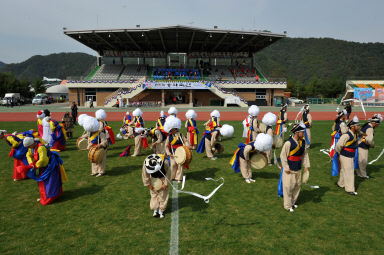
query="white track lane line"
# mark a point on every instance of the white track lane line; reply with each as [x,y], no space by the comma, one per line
[174,242]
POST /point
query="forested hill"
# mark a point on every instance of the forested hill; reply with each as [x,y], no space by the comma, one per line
[297,59]
[58,65]
[2,64]
[303,60]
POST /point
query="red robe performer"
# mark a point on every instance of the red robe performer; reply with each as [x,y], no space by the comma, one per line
[192,130]
[138,122]
[18,152]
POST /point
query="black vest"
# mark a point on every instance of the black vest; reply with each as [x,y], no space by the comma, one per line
[241,151]
[364,130]
[294,151]
[304,118]
[351,144]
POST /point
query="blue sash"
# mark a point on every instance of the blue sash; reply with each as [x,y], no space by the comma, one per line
[201,147]
[306,137]
[236,163]
[356,159]
[335,159]
[280,184]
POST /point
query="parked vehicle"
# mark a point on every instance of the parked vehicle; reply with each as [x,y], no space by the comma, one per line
[11,99]
[40,99]
[295,100]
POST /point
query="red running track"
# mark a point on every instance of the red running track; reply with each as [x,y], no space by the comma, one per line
[152,116]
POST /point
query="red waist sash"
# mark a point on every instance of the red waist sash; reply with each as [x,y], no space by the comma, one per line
[294,158]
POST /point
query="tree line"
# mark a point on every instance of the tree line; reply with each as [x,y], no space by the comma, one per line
[319,67]
[9,83]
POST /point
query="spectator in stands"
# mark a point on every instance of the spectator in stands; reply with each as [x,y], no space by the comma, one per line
[348,108]
[91,103]
[257,77]
[117,103]
[74,112]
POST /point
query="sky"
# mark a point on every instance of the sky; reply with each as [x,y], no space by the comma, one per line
[35,27]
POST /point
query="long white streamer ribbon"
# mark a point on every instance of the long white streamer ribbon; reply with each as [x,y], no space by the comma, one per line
[301,111]
[275,160]
[325,151]
[362,107]
[373,161]
[205,198]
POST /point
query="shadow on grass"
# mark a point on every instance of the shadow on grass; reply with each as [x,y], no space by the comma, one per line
[200,175]
[315,145]
[312,195]
[267,175]
[121,170]
[224,155]
[79,192]
[195,203]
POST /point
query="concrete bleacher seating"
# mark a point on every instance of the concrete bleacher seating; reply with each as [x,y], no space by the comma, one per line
[108,72]
[221,73]
[133,72]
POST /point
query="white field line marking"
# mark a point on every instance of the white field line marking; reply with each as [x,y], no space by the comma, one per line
[174,242]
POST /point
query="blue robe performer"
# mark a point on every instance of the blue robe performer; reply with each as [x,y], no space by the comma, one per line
[51,173]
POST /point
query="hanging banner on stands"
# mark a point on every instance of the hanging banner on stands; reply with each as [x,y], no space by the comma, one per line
[176,85]
[362,93]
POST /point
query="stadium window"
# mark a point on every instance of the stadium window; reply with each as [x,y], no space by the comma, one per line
[90,94]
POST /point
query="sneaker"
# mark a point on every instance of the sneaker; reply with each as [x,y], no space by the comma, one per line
[161,213]
[155,213]
[99,174]
[247,181]
[339,186]
[93,174]
[251,180]
[295,206]
[38,200]
[291,210]
[352,193]
[366,177]
[213,158]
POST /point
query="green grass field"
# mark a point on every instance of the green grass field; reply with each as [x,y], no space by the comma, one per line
[111,215]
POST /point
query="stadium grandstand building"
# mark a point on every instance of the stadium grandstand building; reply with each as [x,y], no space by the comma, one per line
[175,65]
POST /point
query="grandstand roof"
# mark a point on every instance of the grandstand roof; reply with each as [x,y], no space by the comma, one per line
[180,39]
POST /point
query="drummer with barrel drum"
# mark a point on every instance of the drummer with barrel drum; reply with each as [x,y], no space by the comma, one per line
[159,136]
[253,125]
[210,135]
[251,154]
[97,145]
[269,120]
[176,147]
